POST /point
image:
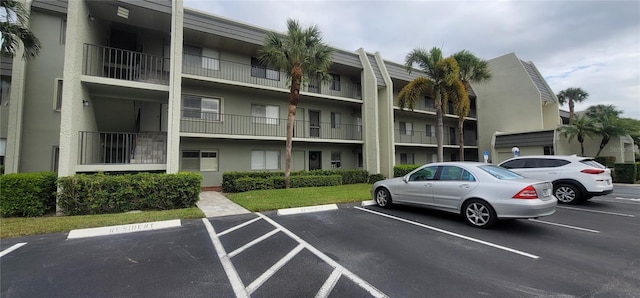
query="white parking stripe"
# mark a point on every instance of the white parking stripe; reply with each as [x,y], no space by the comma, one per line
[356,279]
[564,226]
[271,271]
[452,234]
[229,269]
[252,243]
[597,211]
[329,284]
[238,226]
[12,248]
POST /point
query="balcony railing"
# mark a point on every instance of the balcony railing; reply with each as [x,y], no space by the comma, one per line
[424,137]
[127,65]
[227,124]
[421,105]
[122,148]
[238,72]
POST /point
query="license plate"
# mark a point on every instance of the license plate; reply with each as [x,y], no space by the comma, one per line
[608,182]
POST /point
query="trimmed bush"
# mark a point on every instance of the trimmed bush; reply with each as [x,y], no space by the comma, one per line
[247,184]
[375,178]
[100,193]
[607,161]
[625,173]
[401,170]
[230,182]
[27,194]
[308,181]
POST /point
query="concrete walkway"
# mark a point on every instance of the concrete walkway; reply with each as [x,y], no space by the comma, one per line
[214,204]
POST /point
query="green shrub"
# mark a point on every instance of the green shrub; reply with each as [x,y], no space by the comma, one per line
[401,170]
[248,183]
[27,194]
[308,181]
[375,178]
[607,161]
[638,172]
[100,193]
[230,179]
[625,173]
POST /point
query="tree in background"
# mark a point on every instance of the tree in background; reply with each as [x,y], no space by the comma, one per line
[571,96]
[14,20]
[441,81]
[582,127]
[472,69]
[300,53]
[606,123]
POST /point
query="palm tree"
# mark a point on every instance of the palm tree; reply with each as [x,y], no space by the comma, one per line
[606,119]
[472,69]
[14,27]
[582,127]
[300,53]
[441,81]
[571,96]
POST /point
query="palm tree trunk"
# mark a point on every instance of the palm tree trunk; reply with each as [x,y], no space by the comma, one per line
[461,137]
[294,98]
[570,111]
[439,124]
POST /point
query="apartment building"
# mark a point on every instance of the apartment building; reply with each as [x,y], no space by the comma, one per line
[148,85]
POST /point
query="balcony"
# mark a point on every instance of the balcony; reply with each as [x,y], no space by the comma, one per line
[127,65]
[258,75]
[421,137]
[227,124]
[122,148]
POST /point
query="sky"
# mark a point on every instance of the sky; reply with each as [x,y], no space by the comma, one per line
[592,45]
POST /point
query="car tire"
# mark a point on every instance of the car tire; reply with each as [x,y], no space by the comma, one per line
[383,197]
[567,193]
[479,214]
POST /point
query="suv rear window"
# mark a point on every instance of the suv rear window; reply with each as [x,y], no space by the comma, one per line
[593,163]
[533,163]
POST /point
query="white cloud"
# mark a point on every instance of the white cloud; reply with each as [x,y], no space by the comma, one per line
[594,45]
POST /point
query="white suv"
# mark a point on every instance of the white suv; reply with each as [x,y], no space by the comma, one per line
[575,179]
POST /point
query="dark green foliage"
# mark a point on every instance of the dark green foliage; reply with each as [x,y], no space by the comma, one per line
[247,183]
[27,194]
[401,170]
[308,181]
[230,180]
[98,194]
[375,178]
[626,173]
[607,161]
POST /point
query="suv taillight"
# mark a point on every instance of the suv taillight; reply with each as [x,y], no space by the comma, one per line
[527,193]
[592,171]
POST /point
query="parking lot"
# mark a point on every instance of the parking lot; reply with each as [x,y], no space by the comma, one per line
[590,250]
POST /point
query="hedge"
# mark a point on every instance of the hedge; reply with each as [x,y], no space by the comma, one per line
[100,193]
[625,173]
[401,170]
[231,180]
[607,161]
[27,194]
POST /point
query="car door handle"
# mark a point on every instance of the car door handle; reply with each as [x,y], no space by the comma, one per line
[464,185]
[428,185]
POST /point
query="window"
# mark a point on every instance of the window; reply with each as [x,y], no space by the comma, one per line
[406,128]
[429,102]
[196,160]
[335,160]
[197,57]
[201,108]
[424,174]
[57,101]
[335,120]
[548,150]
[265,160]
[406,158]
[210,59]
[264,114]
[55,158]
[451,173]
[335,82]
[430,130]
[4,92]
[259,70]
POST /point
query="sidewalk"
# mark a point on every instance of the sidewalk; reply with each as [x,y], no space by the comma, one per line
[214,204]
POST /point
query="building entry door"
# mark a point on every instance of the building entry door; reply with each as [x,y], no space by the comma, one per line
[314,124]
[315,160]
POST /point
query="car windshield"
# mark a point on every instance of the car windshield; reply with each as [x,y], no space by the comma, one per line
[500,172]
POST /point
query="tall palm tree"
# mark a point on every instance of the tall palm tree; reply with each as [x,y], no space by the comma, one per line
[441,81]
[14,20]
[606,121]
[571,96]
[472,69]
[582,127]
[300,53]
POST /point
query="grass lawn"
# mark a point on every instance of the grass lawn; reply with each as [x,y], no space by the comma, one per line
[263,200]
[257,200]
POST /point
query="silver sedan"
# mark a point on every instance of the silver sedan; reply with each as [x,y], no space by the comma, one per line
[482,193]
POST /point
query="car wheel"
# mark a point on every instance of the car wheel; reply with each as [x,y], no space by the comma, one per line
[566,193]
[479,214]
[383,197]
